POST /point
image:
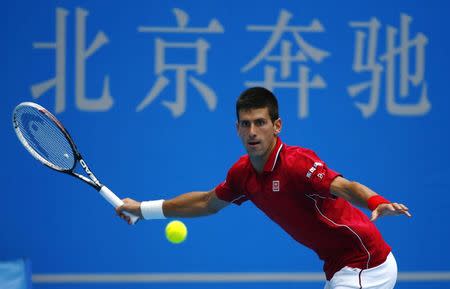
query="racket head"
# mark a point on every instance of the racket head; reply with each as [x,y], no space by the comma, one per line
[44,137]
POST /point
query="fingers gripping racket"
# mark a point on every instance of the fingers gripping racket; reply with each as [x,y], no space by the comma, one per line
[49,142]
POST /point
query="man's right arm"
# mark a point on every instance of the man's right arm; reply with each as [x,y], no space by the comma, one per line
[193,204]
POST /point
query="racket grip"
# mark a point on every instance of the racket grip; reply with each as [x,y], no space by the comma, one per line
[116,202]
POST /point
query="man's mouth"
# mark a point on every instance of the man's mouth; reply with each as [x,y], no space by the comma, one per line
[253,143]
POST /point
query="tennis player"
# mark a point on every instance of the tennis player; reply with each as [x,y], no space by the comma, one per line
[297,190]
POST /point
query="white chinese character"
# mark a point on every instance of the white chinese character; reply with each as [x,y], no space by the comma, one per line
[81,55]
[200,47]
[367,64]
[417,45]
[302,81]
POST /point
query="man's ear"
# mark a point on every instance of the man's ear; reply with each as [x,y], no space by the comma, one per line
[278,125]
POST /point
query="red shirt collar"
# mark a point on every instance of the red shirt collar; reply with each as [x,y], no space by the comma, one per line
[272,160]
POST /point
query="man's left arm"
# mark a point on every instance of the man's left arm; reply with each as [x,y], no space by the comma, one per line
[360,195]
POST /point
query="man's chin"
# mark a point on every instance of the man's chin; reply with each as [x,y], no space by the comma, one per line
[254,153]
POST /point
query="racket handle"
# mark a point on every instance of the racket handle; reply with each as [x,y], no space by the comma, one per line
[116,202]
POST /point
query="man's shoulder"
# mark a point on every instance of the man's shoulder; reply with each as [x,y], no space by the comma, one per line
[298,160]
[294,153]
[241,164]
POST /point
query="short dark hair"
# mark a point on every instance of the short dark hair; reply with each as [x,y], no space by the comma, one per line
[257,97]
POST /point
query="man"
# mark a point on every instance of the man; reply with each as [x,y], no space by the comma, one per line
[297,190]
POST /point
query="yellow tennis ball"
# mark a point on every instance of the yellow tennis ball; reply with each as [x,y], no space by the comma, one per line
[176,232]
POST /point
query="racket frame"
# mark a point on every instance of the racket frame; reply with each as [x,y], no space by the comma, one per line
[91,180]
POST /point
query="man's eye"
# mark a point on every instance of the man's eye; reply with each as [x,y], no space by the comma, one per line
[245,123]
[260,122]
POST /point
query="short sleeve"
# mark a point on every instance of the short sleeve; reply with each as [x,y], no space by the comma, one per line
[229,191]
[316,173]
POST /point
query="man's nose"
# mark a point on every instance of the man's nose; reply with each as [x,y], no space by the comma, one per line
[252,130]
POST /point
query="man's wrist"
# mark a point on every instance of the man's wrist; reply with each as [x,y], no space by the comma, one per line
[152,210]
[374,201]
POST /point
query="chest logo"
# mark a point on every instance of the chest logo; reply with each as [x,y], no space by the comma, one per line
[275,186]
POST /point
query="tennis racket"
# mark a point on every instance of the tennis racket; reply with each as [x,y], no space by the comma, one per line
[49,142]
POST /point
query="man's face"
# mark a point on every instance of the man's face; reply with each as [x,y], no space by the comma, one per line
[257,131]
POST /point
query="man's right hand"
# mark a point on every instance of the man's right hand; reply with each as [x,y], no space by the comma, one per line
[130,206]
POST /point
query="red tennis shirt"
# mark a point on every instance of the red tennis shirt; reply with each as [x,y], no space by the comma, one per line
[294,191]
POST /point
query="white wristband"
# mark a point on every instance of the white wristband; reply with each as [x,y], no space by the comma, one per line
[152,210]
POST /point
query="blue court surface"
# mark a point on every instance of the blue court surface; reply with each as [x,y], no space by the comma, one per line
[284,285]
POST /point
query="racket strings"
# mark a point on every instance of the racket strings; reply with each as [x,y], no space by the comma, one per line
[45,138]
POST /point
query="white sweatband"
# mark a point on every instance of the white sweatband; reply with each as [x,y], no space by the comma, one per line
[152,210]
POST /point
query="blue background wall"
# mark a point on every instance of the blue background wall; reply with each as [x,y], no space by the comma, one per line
[64,226]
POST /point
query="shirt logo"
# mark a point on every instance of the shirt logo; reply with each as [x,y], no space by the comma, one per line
[275,186]
[313,169]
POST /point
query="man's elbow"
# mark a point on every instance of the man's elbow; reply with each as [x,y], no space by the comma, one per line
[353,186]
[208,205]
[214,204]
[213,210]
[348,189]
